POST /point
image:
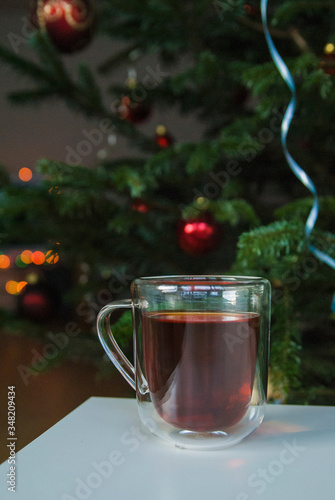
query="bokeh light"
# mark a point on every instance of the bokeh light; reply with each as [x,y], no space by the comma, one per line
[25,174]
[329,48]
[11,287]
[51,257]
[14,287]
[19,262]
[21,285]
[32,278]
[4,261]
[54,190]
[26,257]
[38,258]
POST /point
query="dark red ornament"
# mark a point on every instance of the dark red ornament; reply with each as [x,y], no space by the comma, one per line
[36,303]
[163,138]
[133,111]
[200,235]
[328,63]
[140,206]
[252,10]
[69,23]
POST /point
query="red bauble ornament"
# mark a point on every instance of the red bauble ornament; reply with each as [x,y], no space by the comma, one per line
[199,235]
[252,10]
[163,138]
[133,111]
[140,206]
[69,23]
[328,62]
[36,303]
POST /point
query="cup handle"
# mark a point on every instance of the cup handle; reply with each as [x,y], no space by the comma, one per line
[109,343]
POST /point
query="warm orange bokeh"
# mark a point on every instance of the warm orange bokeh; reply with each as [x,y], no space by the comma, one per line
[14,288]
[26,256]
[51,257]
[4,261]
[25,174]
[38,258]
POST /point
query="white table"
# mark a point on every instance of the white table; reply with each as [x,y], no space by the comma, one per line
[100,452]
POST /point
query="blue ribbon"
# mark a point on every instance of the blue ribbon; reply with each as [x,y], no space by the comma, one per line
[286,122]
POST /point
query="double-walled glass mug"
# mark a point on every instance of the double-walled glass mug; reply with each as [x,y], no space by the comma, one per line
[200,356]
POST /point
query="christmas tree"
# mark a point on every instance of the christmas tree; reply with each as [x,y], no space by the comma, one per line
[225,202]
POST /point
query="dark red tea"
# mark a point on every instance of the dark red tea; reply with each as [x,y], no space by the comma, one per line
[200,366]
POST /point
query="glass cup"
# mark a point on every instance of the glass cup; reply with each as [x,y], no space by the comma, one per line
[200,356]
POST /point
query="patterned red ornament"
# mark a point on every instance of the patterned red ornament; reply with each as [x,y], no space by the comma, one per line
[69,23]
[200,235]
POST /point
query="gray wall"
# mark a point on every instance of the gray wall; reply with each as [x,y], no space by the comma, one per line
[50,130]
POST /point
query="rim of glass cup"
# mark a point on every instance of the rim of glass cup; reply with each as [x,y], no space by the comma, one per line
[199,279]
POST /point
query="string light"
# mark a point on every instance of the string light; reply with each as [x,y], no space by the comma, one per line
[27,257]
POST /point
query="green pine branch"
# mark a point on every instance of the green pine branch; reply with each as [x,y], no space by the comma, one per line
[83,95]
[285,353]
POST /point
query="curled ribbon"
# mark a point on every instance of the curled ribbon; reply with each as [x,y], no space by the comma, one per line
[286,122]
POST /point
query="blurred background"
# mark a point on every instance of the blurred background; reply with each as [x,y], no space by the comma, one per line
[141,140]
[27,135]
